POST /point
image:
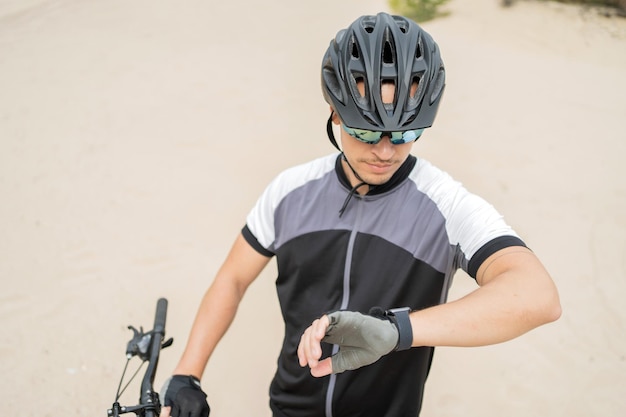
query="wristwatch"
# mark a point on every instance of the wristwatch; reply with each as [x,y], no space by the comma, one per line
[400,317]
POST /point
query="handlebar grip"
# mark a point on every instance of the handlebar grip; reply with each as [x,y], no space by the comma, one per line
[161,314]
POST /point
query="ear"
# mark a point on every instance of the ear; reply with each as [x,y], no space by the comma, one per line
[334,116]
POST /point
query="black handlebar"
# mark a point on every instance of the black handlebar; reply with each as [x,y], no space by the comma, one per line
[160,316]
[147,346]
[148,396]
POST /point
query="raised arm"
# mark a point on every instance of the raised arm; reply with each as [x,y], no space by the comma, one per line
[516,295]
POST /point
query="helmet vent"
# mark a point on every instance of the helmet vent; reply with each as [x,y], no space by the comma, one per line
[360,86]
[388,55]
[355,51]
[418,51]
[415,82]
[402,24]
[332,83]
[439,84]
[409,120]
[370,120]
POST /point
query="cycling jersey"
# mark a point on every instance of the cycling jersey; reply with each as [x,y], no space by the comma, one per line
[397,246]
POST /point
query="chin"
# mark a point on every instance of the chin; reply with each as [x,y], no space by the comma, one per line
[377,179]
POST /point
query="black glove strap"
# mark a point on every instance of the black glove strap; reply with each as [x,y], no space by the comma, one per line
[400,317]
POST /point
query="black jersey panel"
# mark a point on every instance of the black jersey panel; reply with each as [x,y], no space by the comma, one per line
[390,387]
[310,273]
[309,284]
[387,276]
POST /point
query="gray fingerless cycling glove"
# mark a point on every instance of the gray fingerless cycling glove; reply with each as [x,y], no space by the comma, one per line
[363,339]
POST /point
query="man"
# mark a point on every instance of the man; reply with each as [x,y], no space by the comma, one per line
[367,242]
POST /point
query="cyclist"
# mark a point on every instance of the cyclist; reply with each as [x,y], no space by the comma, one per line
[366,241]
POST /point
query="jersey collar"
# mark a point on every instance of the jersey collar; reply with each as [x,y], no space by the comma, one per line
[398,177]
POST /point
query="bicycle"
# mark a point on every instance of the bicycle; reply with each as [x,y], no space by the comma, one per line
[146,346]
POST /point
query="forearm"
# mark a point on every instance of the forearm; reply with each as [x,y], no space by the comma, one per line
[219,306]
[510,303]
[215,314]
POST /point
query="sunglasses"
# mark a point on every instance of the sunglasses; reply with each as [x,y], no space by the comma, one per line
[373,137]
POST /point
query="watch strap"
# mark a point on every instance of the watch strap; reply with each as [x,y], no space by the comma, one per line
[400,317]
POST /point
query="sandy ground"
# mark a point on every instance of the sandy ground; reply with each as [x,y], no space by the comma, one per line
[135,136]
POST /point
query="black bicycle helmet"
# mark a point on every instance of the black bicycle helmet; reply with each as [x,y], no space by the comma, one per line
[378,49]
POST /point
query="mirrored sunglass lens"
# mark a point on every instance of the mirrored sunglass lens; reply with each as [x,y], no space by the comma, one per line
[412,135]
[363,135]
[398,138]
[367,135]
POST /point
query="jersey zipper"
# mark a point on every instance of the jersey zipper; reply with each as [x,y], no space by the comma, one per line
[346,296]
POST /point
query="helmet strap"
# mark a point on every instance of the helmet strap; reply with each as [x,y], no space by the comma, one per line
[331,136]
[329,132]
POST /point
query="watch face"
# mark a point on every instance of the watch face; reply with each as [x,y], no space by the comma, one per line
[395,311]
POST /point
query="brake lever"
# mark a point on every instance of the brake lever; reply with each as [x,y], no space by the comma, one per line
[140,343]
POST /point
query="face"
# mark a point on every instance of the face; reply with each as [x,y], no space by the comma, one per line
[375,163]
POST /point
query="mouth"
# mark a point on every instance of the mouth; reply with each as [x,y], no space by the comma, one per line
[379,168]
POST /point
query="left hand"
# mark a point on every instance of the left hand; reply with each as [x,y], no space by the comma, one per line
[183,397]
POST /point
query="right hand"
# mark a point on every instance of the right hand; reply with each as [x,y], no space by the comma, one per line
[183,397]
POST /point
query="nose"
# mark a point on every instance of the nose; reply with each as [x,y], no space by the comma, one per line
[384,149]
